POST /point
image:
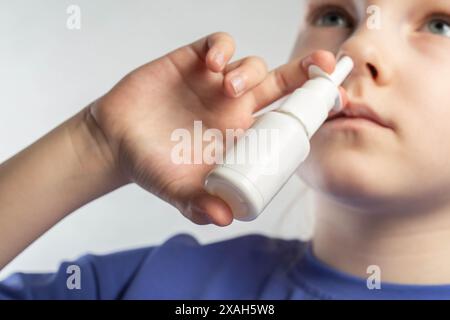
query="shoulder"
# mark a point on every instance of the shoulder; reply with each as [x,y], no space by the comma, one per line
[247,248]
[181,267]
[257,244]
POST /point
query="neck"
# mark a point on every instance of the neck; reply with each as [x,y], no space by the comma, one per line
[408,248]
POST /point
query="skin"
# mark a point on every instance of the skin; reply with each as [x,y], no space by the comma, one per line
[382,194]
[124,137]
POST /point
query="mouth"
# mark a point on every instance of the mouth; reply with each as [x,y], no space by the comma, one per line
[359,111]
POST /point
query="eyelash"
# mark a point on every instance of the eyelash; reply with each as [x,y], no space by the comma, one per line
[320,12]
[436,17]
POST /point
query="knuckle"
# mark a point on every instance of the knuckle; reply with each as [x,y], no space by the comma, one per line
[258,63]
[222,36]
[281,81]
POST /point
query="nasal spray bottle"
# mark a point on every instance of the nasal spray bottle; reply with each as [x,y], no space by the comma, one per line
[246,187]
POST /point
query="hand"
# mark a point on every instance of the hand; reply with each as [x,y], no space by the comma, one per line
[194,82]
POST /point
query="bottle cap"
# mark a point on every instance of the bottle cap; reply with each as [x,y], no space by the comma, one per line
[342,70]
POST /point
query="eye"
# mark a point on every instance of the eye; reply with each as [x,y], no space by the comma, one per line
[332,17]
[439,26]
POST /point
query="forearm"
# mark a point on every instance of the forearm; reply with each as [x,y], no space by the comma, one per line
[67,168]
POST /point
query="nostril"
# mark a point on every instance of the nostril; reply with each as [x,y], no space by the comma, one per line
[373,70]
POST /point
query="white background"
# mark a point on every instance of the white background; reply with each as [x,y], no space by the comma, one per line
[48,73]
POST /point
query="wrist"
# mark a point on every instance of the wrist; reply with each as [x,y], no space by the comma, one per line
[93,151]
[62,171]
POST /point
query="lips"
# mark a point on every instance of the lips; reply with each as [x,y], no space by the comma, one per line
[360,110]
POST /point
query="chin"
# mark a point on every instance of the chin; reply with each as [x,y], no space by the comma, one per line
[348,177]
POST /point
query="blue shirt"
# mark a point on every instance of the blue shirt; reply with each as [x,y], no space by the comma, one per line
[247,267]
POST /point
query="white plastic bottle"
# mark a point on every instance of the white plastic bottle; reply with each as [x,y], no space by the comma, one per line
[247,187]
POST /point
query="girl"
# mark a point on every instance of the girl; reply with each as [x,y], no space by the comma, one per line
[378,170]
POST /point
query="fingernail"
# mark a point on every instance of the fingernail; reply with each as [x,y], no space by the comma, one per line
[238,84]
[219,59]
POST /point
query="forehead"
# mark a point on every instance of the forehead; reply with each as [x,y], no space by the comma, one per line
[361,5]
[356,3]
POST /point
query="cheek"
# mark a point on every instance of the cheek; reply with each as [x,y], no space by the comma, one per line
[424,126]
[425,138]
[312,39]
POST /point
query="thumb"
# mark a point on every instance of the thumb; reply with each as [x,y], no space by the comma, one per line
[203,208]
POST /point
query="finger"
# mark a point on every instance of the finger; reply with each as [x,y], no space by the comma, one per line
[287,78]
[344,101]
[215,49]
[324,59]
[205,208]
[344,96]
[244,75]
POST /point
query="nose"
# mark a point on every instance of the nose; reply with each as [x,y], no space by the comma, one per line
[366,49]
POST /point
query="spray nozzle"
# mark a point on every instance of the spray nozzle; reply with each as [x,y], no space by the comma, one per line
[342,70]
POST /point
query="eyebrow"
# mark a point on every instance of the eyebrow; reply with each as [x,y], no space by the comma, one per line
[347,4]
[312,4]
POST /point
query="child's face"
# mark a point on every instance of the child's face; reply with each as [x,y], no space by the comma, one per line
[402,72]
